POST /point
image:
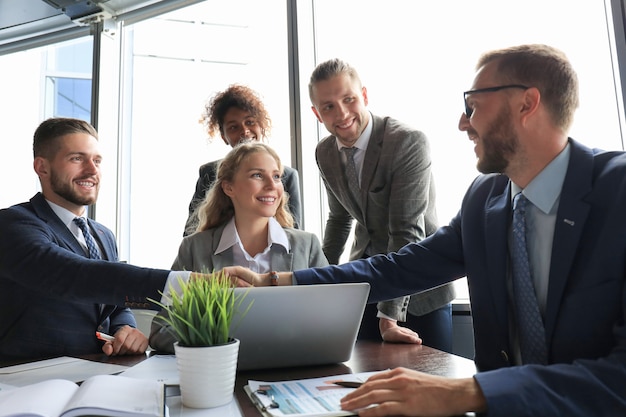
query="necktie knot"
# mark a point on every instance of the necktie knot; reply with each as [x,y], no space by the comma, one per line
[92,249]
[81,223]
[350,152]
[519,202]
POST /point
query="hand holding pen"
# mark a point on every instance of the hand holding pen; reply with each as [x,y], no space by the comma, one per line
[105,337]
[126,341]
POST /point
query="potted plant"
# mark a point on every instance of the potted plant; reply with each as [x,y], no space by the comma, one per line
[201,315]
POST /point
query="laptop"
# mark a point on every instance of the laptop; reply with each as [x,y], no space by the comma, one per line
[298,325]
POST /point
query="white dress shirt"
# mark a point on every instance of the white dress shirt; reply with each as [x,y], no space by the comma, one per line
[261,263]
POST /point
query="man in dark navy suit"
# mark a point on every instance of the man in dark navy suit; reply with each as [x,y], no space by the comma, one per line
[58,284]
[517,113]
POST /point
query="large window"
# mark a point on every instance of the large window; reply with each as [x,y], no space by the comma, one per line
[175,63]
[37,84]
[415,57]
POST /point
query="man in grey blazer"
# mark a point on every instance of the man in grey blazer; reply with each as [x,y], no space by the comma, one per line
[390,193]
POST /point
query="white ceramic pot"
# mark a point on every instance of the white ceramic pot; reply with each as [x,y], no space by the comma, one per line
[207,374]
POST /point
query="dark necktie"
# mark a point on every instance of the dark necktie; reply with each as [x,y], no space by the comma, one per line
[351,174]
[529,321]
[92,249]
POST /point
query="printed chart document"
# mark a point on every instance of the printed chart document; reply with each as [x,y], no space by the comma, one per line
[100,395]
[315,397]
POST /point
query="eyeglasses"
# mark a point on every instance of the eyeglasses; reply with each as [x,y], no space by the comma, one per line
[469,110]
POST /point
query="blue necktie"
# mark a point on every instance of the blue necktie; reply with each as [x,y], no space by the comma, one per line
[92,249]
[351,175]
[529,321]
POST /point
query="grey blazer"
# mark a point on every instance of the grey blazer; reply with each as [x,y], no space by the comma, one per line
[197,252]
[397,204]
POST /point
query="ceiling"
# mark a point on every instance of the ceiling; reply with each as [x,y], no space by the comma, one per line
[20,19]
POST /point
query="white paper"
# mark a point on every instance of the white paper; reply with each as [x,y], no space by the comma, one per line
[104,395]
[46,398]
[161,368]
[118,395]
[71,369]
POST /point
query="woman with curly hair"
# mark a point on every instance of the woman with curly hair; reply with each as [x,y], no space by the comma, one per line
[237,114]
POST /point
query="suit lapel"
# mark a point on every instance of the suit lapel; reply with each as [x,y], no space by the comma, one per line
[570,219]
[107,245]
[372,156]
[282,261]
[331,168]
[222,259]
[497,216]
[61,232]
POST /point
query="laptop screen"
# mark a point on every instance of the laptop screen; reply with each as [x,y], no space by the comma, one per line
[298,325]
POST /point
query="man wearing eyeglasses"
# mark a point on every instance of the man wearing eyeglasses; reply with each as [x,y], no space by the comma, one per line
[541,238]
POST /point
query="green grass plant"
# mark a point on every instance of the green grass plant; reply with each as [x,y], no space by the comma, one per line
[201,315]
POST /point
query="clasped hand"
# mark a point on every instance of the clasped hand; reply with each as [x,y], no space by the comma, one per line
[244,277]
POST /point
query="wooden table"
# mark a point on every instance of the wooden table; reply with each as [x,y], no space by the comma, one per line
[367,356]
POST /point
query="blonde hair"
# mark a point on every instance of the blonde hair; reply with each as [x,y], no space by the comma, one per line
[217,208]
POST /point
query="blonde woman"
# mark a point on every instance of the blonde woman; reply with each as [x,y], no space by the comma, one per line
[244,221]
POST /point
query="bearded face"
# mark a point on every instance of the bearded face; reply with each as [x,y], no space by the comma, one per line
[499,143]
[66,188]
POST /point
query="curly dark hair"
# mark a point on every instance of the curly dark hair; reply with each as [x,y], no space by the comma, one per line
[238,96]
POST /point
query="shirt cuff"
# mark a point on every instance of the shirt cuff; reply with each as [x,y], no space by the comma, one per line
[382,315]
[173,284]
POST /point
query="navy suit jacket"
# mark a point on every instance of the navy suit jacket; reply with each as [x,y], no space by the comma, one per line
[53,298]
[586,306]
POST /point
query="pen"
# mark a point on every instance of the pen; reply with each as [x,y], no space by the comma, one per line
[348,384]
[104,337]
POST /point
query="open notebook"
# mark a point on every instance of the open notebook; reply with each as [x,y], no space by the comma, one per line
[299,325]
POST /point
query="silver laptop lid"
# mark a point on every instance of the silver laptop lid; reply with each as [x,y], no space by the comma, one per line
[299,325]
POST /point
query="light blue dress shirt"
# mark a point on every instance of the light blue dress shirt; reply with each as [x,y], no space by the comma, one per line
[543,194]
